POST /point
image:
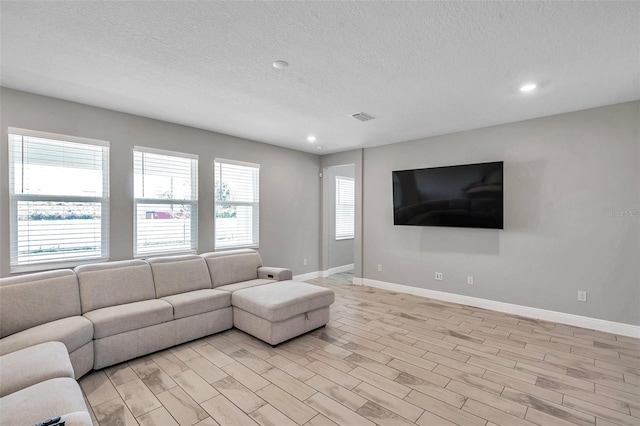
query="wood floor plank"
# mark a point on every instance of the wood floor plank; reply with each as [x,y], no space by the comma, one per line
[345,380]
[298,411]
[557,410]
[599,411]
[195,386]
[158,417]
[120,374]
[382,369]
[418,372]
[114,413]
[289,384]
[444,410]
[381,416]
[206,369]
[528,388]
[430,419]
[138,397]
[98,388]
[235,392]
[269,416]
[152,375]
[392,387]
[336,392]
[336,411]
[225,413]
[488,398]
[494,415]
[181,406]
[476,381]
[246,376]
[291,367]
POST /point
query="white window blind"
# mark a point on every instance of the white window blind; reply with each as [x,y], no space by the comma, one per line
[166,201]
[59,199]
[345,208]
[237,205]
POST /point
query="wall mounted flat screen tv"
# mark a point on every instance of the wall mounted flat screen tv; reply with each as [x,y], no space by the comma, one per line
[467,196]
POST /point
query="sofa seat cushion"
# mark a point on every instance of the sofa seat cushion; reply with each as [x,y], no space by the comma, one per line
[244,284]
[35,364]
[198,302]
[282,300]
[55,397]
[74,332]
[130,316]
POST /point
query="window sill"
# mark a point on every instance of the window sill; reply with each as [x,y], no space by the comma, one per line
[254,247]
[38,267]
[164,253]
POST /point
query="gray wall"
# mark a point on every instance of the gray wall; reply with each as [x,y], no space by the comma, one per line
[340,251]
[289,184]
[562,175]
[348,157]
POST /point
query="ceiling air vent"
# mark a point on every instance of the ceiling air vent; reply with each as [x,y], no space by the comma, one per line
[362,116]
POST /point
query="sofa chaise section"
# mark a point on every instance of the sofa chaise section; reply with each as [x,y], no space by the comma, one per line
[119,299]
[198,310]
[43,307]
[239,269]
[281,311]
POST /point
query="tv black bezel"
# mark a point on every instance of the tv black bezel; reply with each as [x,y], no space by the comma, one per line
[448,167]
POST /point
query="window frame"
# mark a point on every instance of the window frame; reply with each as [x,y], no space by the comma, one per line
[350,236]
[15,198]
[255,232]
[193,202]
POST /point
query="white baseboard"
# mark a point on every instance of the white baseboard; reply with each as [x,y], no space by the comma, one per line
[337,270]
[307,276]
[525,311]
[323,274]
[358,281]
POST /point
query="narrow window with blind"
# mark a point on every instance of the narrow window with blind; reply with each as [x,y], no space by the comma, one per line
[166,202]
[237,205]
[59,200]
[345,208]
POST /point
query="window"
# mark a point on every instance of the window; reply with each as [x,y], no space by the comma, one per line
[236,204]
[59,199]
[345,211]
[166,201]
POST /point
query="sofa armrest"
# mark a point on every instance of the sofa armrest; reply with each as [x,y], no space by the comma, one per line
[271,273]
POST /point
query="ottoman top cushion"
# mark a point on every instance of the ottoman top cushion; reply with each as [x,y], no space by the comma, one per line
[282,300]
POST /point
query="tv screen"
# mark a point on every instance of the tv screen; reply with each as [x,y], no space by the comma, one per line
[467,196]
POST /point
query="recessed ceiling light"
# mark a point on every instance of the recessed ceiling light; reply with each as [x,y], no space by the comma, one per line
[280,64]
[311,138]
[528,87]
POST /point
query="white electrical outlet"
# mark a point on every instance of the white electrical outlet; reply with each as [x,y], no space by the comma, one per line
[379,267]
[304,262]
[470,280]
[439,276]
[582,296]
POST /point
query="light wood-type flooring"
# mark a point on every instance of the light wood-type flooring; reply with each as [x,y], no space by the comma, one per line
[385,358]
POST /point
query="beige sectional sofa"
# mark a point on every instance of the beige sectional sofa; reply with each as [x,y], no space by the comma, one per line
[102,314]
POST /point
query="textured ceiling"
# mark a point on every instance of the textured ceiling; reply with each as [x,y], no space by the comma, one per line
[420,68]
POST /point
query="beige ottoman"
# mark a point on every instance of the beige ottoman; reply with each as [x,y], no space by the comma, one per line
[282,310]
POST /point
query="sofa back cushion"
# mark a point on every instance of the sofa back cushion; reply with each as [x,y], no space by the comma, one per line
[179,274]
[30,300]
[114,283]
[228,267]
